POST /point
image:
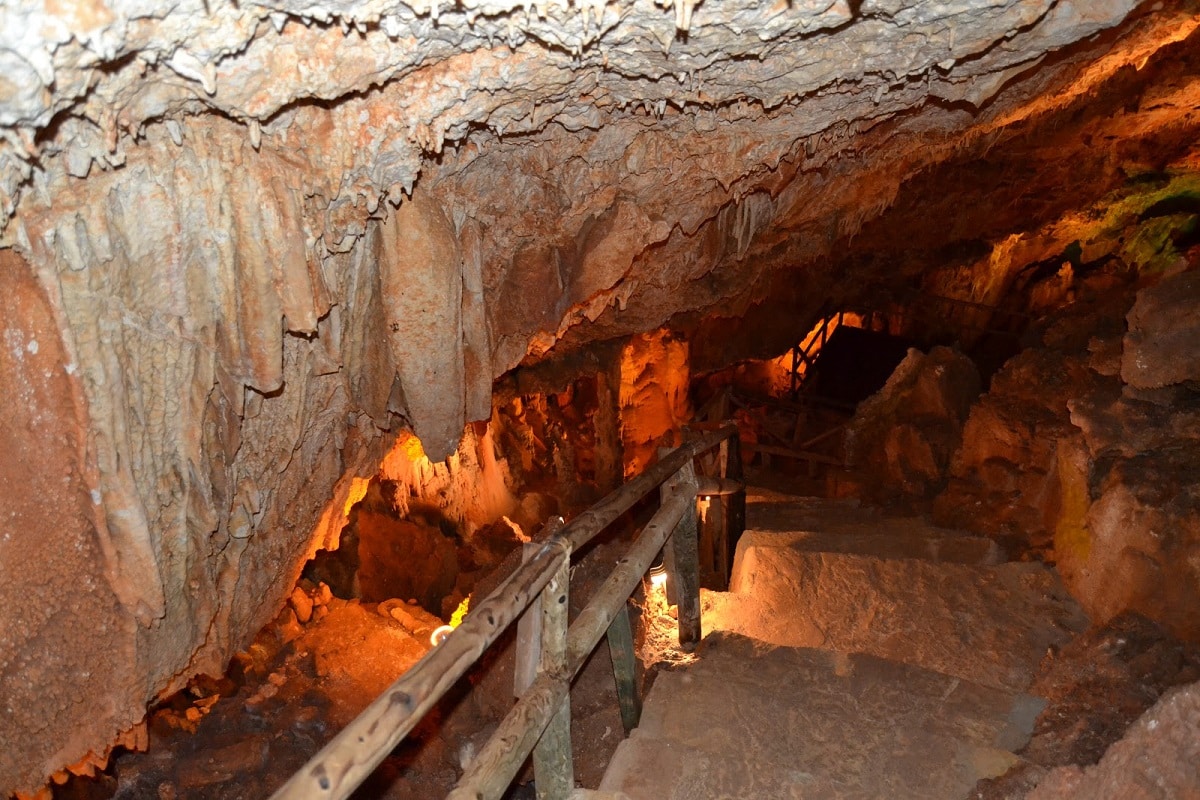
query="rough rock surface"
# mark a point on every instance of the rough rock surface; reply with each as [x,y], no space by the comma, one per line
[782,723]
[1096,686]
[1156,759]
[1004,479]
[905,610]
[889,710]
[266,234]
[1090,472]
[1164,326]
[904,435]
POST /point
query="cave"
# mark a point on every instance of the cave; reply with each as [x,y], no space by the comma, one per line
[320,315]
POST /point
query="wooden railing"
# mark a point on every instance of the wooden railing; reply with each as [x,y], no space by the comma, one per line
[549,654]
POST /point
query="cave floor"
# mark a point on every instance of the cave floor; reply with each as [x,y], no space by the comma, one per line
[855,656]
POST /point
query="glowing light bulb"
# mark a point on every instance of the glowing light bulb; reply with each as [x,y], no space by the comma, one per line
[658,577]
[440,634]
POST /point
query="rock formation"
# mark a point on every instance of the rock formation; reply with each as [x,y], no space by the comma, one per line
[904,435]
[1083,447]
[244,244]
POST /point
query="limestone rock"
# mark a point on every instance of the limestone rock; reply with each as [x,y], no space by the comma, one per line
[47,488]
[1005,479]
[404,559]
[1156,760]
[1091,471]
[1164,326]
[904,435]
[905,610]
[1142,534]
[421,275]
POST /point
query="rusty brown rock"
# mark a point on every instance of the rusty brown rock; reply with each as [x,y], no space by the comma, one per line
[1164,326]
[904,435]
[53,540]
[1156,760]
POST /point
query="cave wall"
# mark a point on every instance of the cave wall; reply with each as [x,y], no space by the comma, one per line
[254,241]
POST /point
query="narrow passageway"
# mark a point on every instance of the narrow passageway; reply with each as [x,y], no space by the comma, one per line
[854,656]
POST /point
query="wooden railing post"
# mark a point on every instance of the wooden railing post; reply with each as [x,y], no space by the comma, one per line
[620,648]
[735,504]
[681,556]
[541,650]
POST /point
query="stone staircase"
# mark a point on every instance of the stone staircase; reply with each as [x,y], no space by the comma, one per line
[854,657]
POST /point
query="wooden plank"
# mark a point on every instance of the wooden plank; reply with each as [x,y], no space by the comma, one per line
[681,557]
[489,775]
[708,533]
[821,437]
[553,769]
[528,654]
[718,487]
[734,504]
[711,525]
[621,650]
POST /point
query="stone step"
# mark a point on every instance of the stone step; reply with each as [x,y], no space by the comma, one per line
[987,624]
[842,526]
[884,543]
[751,720]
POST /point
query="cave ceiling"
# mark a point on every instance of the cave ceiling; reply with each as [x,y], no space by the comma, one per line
[245,241]
[620,162]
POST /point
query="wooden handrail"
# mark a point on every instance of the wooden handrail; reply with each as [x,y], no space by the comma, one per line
[350,757]
[501,758]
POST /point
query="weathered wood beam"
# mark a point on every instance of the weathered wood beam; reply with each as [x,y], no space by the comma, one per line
[734,504]
[802,455]
[681,558]
[821,437]
[553,768]
[624,661]
[528,655]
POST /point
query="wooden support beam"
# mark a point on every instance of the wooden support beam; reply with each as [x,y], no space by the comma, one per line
[821,437]
[624,661]
[735,504]
[711,540]
[542,648]
[553,768]
[489,775]
[718,487]
[681,557]
[528,654]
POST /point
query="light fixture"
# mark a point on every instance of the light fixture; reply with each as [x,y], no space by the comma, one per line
[440,634]
[658,576]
